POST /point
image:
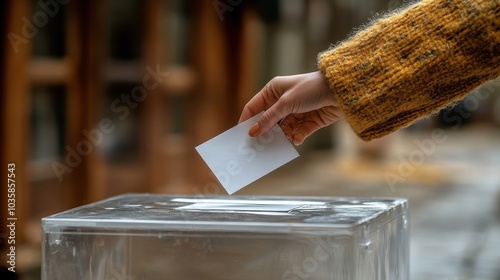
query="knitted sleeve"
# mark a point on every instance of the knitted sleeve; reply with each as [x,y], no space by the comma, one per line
[413,63]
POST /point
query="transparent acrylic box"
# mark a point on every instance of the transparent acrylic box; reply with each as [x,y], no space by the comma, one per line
[142,236]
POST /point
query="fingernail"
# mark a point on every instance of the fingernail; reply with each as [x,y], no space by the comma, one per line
[298,139]
[254,130]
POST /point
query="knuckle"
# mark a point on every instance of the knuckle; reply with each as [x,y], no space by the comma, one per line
[272,85]
[248,110]
[286,100]
[286,105]
[276,79]
[265,119]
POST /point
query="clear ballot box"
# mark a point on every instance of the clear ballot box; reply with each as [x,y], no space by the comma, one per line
[153,237]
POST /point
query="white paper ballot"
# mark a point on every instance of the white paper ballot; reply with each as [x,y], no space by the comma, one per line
[244,205]
[237,159]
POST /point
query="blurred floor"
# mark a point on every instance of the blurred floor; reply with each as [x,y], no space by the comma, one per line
[454,198]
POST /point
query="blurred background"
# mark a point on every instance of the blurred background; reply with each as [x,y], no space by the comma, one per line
[101,98]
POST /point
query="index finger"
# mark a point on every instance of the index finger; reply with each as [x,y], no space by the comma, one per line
[260,102]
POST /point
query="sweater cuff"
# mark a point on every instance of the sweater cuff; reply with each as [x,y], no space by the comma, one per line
[413,63]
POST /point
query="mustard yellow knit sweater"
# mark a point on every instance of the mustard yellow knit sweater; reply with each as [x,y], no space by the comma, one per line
[413,63]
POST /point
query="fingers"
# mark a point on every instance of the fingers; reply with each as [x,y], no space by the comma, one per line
[297,132]
[288,125]
[273,116]
[269,119]
[300,126]
[256,105]
[303,131]
[247,113]
[297,129]
[270,100]
[264,99]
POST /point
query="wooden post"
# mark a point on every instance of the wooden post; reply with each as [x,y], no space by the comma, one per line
[248,59]
[91,19]
[154,106]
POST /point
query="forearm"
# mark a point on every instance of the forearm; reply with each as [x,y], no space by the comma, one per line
[413,63]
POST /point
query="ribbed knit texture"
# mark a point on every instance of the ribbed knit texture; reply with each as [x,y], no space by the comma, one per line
[413,63]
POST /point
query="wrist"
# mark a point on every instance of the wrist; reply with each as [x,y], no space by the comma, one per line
[326,89]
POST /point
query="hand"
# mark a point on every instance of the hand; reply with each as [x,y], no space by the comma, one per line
[304,102]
